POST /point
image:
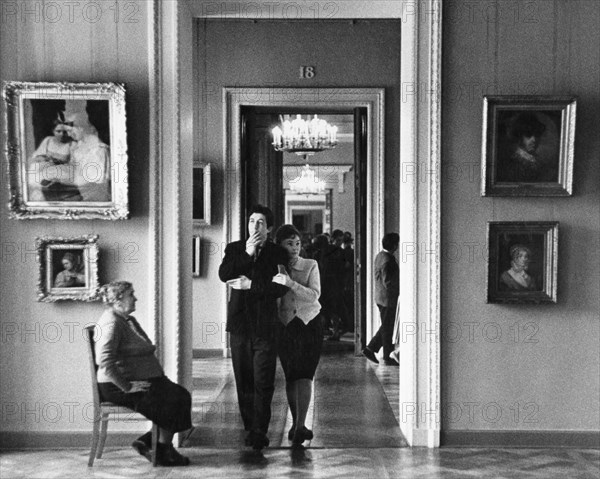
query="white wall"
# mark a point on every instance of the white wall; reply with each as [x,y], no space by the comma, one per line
[44,375]
[543,372]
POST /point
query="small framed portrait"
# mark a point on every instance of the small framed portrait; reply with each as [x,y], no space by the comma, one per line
[66,150]
[528,146]
[522,262]
[201,195]
[68,268]
[196,256]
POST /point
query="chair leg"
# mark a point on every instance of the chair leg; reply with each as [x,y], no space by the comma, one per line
[95,437]
[154,443]
[104,421]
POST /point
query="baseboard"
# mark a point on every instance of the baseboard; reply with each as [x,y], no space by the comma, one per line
[578,439]
[207,353]
[62,440]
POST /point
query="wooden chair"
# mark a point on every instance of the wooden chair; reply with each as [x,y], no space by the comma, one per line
[103,410]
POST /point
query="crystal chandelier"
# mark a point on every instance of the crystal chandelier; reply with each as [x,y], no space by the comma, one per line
[307,182]
[304,137]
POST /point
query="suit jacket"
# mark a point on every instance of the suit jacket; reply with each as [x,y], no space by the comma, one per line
[387,279]
[253,311]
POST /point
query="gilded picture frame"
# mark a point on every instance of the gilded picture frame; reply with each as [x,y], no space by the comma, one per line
[528,145]
[201,194]
[68,268]
[522,262]
[66,150]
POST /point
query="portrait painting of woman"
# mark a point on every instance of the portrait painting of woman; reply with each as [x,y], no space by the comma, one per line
[522,261]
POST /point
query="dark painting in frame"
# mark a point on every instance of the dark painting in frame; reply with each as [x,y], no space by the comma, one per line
[68,268]
[528,146]
[201,194]
[522,262]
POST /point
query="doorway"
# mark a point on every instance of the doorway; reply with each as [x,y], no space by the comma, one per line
[324,196]
[251,113]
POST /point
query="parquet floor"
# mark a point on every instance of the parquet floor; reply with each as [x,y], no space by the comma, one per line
[356,436]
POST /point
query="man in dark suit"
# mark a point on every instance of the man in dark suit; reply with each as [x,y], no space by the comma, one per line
[248,268]
[387,287]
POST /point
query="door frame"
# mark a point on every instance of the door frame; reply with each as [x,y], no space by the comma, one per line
[171,70]
[343,100]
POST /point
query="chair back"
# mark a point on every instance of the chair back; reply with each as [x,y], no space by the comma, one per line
[90,330]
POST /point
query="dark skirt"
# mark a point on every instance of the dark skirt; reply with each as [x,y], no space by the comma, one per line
[167,404]
[299,347]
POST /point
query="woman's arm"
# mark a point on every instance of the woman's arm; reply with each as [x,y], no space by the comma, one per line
[310,292]
[107,353]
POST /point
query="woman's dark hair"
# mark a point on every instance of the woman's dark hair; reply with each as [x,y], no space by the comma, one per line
[337,234]
[263,210]
[390,241]
[284,232]
[71,257]
[527,124]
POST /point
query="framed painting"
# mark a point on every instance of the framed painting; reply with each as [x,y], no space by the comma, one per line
[201,195]
[528,146]
[68,268]
[196,256]
[522,262]
[66,150]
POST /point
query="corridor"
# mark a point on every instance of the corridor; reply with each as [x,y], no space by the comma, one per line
[356,436]
[349,408]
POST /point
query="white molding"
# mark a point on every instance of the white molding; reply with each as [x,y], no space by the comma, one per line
[165,215]
[419,302]
[419,203]
[316,98]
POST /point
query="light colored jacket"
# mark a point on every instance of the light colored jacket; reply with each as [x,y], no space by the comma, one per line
[302,299]
[124,352]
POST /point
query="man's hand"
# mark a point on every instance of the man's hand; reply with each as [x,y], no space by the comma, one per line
[242,282]
[252,243]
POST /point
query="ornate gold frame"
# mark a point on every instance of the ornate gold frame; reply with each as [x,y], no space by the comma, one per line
[46,247]
[19,119]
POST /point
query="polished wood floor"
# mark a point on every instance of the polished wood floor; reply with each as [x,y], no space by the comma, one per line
[356,436]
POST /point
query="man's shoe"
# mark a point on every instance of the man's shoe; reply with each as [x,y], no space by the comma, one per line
[395,355]
[256,440]
[391,362]
[370,355]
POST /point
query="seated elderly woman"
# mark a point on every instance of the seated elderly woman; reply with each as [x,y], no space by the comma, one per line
[130,375]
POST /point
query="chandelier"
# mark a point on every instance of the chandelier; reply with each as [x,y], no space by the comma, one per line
[304,137]
[307,182]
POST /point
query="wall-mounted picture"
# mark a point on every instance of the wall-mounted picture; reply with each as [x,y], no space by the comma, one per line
[522,262]
[67,150]
[68,268]
[196,256]
[528,146]
[201,195]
